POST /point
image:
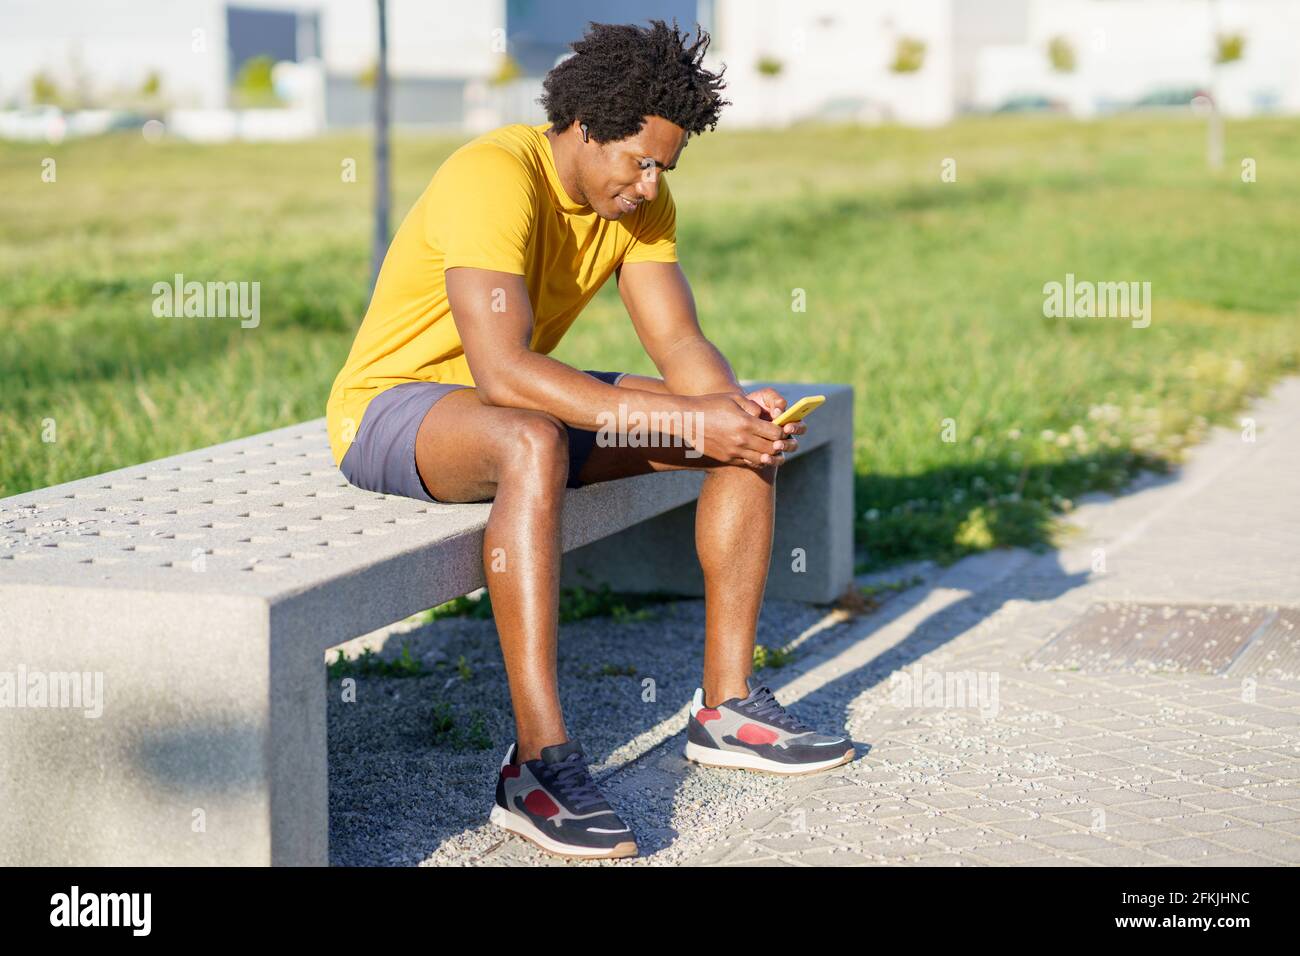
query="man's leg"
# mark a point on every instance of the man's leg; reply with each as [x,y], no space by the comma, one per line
[735,725]
[734,522]
[468,451]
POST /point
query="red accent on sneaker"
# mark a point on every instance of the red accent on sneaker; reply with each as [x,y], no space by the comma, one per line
[540,803]
[705,714]
[754,734]
[510,770]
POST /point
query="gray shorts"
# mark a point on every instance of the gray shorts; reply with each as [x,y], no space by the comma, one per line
[382,455]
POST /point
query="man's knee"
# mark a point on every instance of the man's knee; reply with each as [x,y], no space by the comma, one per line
[536,440]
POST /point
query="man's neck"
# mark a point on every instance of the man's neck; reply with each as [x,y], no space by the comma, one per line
[565,163]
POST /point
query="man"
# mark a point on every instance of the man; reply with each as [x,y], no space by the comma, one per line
[449,395]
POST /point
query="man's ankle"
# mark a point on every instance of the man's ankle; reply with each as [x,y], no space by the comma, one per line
[532,749]
[721,693]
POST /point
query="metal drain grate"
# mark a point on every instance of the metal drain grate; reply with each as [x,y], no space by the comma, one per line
[1179,638]
[1275,651]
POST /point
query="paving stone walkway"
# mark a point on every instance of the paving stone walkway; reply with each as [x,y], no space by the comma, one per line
[1060,767]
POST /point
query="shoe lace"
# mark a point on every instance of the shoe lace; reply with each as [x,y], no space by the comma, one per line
[574,784]
[763,704]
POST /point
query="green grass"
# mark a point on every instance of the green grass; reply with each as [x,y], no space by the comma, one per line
[926,296]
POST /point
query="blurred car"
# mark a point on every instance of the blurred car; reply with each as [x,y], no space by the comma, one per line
[1031,103]
[34,124]
[1179,97]
[849,109]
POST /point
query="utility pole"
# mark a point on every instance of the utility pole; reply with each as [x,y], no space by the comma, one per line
[380,243]
[1214,133]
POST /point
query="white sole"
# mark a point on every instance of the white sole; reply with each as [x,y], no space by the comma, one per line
[735,760]
[525,828]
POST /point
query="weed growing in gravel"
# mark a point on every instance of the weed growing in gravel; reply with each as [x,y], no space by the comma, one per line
[479,608]
[612,670]
[446,731]
[576,604]
[368,664]
[773,657]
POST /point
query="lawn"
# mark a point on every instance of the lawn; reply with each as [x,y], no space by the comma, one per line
[925,295]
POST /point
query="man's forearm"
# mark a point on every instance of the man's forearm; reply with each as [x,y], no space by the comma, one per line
[544,384]
[697,367]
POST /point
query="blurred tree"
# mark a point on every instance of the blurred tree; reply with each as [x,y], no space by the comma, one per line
[1060,53]
[45,92]
[909,55]
[152,85]
[508,71]
[1229,47]
[253,86]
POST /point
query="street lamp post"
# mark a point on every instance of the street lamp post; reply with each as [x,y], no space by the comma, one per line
[380,243]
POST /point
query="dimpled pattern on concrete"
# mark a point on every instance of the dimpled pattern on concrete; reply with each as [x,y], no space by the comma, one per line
[255,516]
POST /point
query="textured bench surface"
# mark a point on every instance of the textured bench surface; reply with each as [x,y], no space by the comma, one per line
[270,516]
[261,515]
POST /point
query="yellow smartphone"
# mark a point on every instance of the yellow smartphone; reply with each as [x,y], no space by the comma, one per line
[800,409]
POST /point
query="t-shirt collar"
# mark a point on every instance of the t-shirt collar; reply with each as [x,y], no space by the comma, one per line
[557,188]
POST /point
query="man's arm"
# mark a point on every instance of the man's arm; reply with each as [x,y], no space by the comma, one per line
[659,300]
[495,320]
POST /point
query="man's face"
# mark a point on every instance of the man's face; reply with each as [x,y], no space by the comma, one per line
[617,177]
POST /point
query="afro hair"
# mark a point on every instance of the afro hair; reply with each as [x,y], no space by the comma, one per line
[621,73]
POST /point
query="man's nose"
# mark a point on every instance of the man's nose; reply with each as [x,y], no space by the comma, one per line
[648,186]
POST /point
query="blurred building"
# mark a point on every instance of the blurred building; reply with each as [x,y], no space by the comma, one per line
[884,60]
[926,61]
[475,65]
[100,53]
[452,64]
[1147,53]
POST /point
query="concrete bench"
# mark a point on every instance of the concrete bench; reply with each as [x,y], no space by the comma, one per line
[199,594]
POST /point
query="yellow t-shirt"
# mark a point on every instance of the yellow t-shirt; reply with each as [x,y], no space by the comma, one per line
[496,203]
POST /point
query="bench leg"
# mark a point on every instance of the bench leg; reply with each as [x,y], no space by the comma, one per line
[208,747]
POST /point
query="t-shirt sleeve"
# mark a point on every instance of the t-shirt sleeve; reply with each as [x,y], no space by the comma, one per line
[481,208]
[655,236]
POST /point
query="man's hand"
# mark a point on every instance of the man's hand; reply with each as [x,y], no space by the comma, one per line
[738,430]
[773,405]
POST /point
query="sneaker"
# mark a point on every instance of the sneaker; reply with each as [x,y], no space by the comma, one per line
[554,803]
[758,734]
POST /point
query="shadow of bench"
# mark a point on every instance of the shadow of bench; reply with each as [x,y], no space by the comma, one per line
[192,599]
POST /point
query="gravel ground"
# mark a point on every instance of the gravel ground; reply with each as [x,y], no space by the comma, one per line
[401,794]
